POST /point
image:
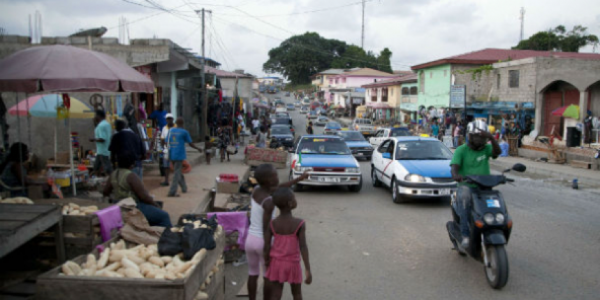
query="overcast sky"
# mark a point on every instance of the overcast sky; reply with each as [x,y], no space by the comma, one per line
[241,32]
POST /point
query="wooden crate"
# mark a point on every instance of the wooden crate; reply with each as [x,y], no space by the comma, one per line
[216,288]
[258,156]
[81,234]
[51,286]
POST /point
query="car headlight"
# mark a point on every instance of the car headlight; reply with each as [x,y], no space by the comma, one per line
[352,170]
[488,218]
[414,178]
[500,218]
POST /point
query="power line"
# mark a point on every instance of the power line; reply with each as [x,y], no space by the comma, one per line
[222,46]
[301,12]
[303,46]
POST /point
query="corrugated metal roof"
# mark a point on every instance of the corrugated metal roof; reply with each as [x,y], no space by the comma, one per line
[491,55]
[224,74]
[393,81]
[367,72]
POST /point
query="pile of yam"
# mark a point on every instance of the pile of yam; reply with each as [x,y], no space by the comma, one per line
[73,209]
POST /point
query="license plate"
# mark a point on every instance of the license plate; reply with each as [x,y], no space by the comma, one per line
[366,132]
[445,191]
[329,179]
[359,154]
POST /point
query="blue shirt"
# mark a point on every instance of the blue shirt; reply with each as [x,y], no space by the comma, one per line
[435,130]
[103,131]
[160,116]
[178,137]
[504,149]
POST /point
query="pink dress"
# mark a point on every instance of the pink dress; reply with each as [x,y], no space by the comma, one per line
[285,258]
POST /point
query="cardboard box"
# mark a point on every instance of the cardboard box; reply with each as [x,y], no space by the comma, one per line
[227,187]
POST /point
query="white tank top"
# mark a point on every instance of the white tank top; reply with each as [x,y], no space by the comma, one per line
[256,217]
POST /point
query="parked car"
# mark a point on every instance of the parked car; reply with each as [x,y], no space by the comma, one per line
[365,126]
[321,121]
[312,115]
[304,110]
[281,135]
[384,133]
[357,143]
[328,160]
[413,167]
[332,128]
[290,107]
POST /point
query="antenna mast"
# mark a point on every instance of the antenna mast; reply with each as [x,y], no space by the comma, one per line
[522,18]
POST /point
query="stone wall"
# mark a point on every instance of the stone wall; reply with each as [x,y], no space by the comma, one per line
[480,86]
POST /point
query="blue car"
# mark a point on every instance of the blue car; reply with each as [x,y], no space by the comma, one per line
[357,143]
[413,167]
[328,160]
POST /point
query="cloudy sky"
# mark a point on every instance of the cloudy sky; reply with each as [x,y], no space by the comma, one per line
[241,32]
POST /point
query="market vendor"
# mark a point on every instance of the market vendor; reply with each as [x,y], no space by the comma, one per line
[14,174]
[123,183]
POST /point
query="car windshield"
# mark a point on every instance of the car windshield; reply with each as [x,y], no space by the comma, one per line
[321,119]
[280,130]
[323,146]
[400,132]
[352,136]
[281,121]
[312,112]
[364,121]
[422,150]
[333,125]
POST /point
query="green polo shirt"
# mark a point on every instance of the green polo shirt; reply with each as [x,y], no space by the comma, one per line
[472,162]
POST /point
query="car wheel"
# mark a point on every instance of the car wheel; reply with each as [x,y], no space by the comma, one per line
[368,158]
[356,188]
[295,187]
[396,197]
[374,180]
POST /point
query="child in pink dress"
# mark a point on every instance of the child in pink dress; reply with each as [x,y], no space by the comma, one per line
[289,243]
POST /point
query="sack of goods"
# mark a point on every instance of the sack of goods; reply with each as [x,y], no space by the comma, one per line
[231,149]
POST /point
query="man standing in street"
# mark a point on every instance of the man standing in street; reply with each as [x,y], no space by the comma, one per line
[102,133]
[164,134]
[177,139]
[126,141]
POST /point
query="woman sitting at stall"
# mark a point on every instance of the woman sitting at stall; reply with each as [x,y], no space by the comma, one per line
[14,175]
[123,183]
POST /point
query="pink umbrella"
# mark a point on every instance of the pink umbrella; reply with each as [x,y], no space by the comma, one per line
[62,68]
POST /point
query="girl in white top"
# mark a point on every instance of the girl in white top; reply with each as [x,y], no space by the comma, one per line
[261,212]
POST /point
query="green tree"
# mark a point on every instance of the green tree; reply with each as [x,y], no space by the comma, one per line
[301,56]
[559,39]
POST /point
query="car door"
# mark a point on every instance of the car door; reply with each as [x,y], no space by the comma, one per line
[379,160]
[376,140]
[388,167]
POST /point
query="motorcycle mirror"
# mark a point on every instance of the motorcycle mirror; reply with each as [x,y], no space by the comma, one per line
[519,167]
[506,171]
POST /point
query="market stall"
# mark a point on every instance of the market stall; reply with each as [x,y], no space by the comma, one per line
[64,69]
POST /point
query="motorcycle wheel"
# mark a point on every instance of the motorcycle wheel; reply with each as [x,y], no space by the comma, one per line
[497,272]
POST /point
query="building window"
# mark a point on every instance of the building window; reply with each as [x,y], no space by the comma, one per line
[422,82]
[384,94]
[343,80]
[498,81]
[336,81]
[413,90]
[373,95]
[405,91]
[513,78]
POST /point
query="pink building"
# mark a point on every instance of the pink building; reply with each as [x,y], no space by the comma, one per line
[346,88]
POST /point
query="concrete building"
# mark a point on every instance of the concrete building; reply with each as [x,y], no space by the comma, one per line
[394,97]
[321,83]
[348,82]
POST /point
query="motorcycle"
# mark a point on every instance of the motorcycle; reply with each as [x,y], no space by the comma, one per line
[490,226]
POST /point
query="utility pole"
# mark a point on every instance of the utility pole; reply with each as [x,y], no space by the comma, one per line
[362,38]
[522,18]
[202,127]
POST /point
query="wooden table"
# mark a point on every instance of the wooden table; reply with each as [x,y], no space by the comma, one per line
[20,223]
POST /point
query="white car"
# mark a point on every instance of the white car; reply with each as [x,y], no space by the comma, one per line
[383,134]
[328,160]
[413,167]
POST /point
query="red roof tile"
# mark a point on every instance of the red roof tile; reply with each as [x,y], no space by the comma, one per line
[224,74]
[490,55]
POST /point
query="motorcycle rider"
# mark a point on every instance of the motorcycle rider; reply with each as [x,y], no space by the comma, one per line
[471,159]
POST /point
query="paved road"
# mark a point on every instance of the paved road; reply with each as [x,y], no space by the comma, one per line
[363,246]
